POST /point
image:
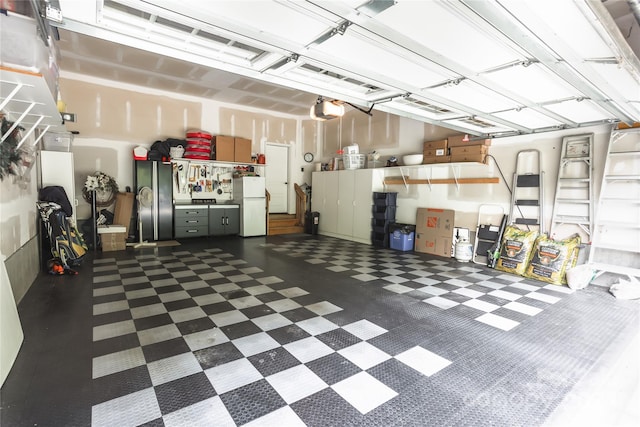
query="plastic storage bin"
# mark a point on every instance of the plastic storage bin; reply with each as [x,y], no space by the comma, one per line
[353,161]
[401,241]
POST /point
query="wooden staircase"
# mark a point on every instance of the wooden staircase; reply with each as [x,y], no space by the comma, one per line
[278,223]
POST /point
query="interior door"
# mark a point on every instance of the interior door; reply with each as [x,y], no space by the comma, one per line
[277,182]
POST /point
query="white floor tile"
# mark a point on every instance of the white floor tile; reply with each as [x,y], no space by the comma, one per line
[174,296]
[110,307]
[131,410]
[185,314]
[543,297]
[206,338]
[317,325]
[158,334]
[195,284]
[395,279]
[271,321]
[296,383]
[163,282]
[505,295]
[269,280]
[364,277]
[110,290]
[440,302]
[208,299]
[148,310]
[433,290]
[323,308]
[293,292]
[364,355]
[245,302]
[226,287]
[423,361]
[256,343]
[458,282]
[232,375]
[337,268]
[209,412]
[258,290]
[491,285]
[283,305]
[364,329]
[141,293]
[111,330]
[169,369]
[523,308]
[117,362]
[487,307]
[282,417]
[525,287]
[398,289]
[564,289]
[364,392]
[426,281]
[308,349]
[497,321]
[228,318]
[468,292]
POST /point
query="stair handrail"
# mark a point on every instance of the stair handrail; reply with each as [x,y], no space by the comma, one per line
[301,204]
[267,197]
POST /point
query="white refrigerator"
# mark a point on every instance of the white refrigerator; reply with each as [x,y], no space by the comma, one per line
[249,192]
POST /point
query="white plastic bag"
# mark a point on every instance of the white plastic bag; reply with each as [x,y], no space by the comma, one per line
[580,276]
[625,289]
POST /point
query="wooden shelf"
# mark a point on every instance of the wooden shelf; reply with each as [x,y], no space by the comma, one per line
[407,180]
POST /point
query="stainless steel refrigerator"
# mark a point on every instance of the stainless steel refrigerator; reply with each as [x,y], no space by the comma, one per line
[249,192]
[157,219]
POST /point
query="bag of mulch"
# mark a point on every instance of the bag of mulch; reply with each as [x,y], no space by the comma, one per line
[516,249]
[550,259]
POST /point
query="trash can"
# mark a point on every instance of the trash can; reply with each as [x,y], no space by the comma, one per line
[401,236]
[311,221]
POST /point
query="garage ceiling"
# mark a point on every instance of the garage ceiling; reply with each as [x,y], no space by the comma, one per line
[488,68]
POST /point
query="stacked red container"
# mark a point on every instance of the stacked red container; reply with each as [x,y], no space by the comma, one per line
[198,145]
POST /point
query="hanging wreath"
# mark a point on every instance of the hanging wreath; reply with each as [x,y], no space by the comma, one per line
[10,155]
[103,186]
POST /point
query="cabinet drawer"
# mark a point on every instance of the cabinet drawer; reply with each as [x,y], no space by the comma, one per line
[191,231]
[190,212]
[191,221]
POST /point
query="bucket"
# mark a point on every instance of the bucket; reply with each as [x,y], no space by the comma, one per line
[464,251]
[176,152]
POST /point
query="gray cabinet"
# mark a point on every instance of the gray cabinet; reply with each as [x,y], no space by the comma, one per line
[191,221]
[224,220]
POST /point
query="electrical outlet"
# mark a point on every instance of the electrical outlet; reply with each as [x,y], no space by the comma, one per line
[302,169]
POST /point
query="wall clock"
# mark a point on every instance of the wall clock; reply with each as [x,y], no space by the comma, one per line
[308,157]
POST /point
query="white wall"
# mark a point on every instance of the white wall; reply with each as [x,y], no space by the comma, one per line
[467,199]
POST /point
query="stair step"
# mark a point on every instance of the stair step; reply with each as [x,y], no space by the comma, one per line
[293,229]
[283,222]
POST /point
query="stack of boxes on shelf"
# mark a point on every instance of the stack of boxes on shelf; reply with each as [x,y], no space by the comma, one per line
[383,214]
[458,148]
[231,149]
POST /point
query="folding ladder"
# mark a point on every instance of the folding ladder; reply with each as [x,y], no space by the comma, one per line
[573,205]
[527,195]
[615,245]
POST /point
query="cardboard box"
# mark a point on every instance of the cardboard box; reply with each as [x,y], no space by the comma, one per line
[123,210]
[469,149]
[435,145]
[112,238]
[223,148]
[457,141]
[435,152]
[434,231]
[242,152]
[436,159]
[463,158]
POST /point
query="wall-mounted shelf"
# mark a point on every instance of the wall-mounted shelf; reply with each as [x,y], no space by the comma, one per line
[453,167]
[26,99]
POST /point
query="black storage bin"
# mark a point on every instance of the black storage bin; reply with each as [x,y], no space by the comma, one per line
[384,212]
[311,222]
[384,199]
[380,240]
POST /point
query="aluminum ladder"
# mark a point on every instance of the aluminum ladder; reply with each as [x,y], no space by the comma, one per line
[527,193]
[615,245]
[573,205]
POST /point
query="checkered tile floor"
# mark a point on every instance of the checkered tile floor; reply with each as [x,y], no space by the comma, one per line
[300,330]
[212,340]
[501,300]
